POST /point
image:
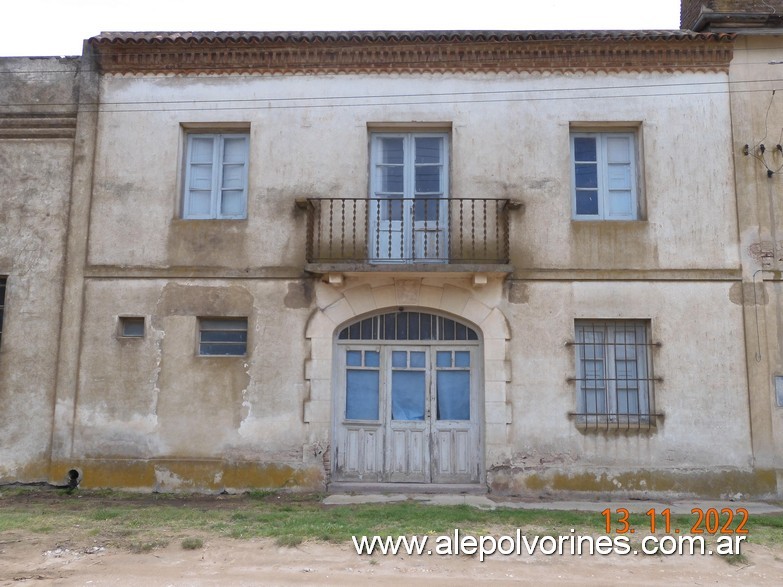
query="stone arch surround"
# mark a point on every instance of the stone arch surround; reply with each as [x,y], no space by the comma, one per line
[355,298]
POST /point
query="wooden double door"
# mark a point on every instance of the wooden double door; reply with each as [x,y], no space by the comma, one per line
[408,413]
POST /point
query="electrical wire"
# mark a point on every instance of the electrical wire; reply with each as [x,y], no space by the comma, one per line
[758,151]
[394,99]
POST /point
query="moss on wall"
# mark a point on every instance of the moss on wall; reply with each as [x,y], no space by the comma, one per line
[173,475]
[702,483]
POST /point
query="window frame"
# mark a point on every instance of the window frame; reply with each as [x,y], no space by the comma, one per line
[123,321]
[400,212]
[346,366]
[202,321]
[644,415]
[601,136]
[216,189]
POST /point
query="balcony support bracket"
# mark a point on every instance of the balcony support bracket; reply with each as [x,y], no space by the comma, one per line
[479,279]
[335,278]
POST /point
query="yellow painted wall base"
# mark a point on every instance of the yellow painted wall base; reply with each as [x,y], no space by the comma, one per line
[184,475]
[718,484]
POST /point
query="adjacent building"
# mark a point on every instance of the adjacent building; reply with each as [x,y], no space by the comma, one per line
[755,76]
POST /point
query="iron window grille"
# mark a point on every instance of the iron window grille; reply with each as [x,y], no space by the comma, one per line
[615,382]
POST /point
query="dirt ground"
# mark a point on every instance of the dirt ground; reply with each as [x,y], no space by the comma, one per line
[30,559]
[73,557]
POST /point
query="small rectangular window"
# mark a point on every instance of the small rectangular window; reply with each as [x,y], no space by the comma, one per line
[614,372]
[779,390]
[132,326]
[222,336]
[604,182]
[215,183]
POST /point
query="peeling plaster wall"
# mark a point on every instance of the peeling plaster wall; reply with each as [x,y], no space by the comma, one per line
[702,395]
[531,443]
[276,407]
[757,117]
[154,399]
[516,148]
[151,414]
[35,180]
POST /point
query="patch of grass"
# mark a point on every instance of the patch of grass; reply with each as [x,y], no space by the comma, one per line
[42,529]
[737,560]
[145,546]
[192,543]
[142,522]
[105,514]
[261,494]
[289,540]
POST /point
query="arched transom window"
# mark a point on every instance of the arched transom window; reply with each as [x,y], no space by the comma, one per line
[411,326]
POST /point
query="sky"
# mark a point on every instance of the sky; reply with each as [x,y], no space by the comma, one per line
[58,27]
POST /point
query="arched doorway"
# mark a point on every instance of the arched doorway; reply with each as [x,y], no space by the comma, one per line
[407,399]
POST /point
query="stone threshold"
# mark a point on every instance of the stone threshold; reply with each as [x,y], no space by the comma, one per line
[408,488]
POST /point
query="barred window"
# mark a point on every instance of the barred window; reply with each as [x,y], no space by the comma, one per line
[614,374]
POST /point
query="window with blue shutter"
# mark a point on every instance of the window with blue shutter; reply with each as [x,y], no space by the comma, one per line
[216,176]
[604,176]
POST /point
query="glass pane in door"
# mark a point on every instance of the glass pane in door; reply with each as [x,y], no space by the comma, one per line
[408,395]
[391,170]
[453,395]
[361,395]
[428,178]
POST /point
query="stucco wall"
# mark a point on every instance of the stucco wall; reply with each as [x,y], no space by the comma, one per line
[702,394]
[155,406]
[149,413]
[154,398]
[510,139]
[531,442]
[35,180]
[757,116]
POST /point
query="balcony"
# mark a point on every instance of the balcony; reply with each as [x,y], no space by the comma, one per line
[407,234]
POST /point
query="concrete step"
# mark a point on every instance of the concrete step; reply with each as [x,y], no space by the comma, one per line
[408,488]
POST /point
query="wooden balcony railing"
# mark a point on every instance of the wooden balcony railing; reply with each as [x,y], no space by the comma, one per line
[407,230]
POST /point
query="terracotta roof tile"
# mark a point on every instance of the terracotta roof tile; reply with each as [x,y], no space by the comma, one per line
[394,36]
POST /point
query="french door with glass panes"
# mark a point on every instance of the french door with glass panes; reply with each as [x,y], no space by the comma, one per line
[408,208]
[408,413]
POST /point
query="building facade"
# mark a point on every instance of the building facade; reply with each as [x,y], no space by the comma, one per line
[757,117]
[460,261]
